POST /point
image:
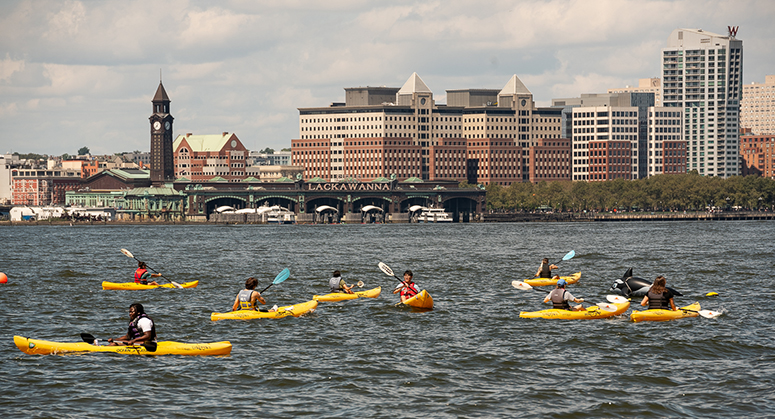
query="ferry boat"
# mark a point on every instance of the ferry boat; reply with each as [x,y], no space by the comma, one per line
[277,214]
[434,215]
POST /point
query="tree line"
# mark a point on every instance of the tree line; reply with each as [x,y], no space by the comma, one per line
[683,192]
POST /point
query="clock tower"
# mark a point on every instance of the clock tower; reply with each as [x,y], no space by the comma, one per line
[162,166]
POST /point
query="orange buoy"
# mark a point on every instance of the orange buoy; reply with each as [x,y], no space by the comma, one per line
[3,278]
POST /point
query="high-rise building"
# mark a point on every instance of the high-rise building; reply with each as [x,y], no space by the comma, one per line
[651,85]
[757,109]
[702,76]
[378,132]
[622,135]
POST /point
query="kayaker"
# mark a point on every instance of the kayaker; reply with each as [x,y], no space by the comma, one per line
[337,284]
[409,289]
[247,298]
[545,270]
[141,328]
[560,297]
[142,275]
[659,297]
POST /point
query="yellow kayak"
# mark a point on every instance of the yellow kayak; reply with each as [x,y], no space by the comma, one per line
[664,315]
[135,286]
[589,313]
[339,296]
[295,310]
[422,300]
[540,282]
[45,347]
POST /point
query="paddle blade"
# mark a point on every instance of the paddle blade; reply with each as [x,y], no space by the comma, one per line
[569,255]
[150,346]
[618,299]
[282,276]
[360,284]
[88,338]
[127,253]
[521,285]
[386,269]
[607,307]
[708,314]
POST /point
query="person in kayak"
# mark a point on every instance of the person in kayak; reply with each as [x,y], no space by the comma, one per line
[141,328]
[142,275]
[659,297]
[545,270]
[409,289]
[247,298]
[337,284]
[560,297]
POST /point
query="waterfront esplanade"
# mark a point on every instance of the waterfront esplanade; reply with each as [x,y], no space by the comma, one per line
[348,197]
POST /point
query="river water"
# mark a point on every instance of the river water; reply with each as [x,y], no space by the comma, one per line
[472,356]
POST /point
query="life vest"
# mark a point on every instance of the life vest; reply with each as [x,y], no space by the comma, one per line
[558,299]
[546,272]
[658,301]
[245,300]
[409,291]
[139,276]
[334,284]
[134,332]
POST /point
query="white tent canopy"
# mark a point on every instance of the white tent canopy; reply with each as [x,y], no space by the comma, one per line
[325,208]
[368,208]
[224,208]
[414,208]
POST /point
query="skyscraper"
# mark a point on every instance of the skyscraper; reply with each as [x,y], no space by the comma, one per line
[702,75]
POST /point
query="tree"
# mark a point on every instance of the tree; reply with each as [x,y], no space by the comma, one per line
[83,150]
[267,151]
[286,149]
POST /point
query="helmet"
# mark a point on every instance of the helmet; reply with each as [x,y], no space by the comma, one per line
[561,283]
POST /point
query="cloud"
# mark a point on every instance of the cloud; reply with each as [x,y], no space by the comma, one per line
[80,73]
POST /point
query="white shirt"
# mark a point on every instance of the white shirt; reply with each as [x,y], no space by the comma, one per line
[145,324]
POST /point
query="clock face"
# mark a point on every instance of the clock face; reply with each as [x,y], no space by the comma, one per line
[156,125]
[167,125]
[233,143]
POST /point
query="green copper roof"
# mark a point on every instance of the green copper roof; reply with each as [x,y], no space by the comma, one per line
[251,179]
[182,179]
[153,192]
[413,180]
[217,179]
[284,179]
[381,179]
[317,179]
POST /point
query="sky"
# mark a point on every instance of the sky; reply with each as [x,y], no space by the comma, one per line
[82,73]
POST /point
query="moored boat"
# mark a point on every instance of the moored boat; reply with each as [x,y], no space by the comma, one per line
[541,282]
[295,310]
[659,315]
[589,313]
[135,286]
[45,347]
[422,300]
[340,296]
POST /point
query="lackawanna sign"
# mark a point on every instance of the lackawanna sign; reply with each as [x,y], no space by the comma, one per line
[352,186]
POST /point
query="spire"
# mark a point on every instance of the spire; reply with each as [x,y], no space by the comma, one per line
[414,85]
[161,94]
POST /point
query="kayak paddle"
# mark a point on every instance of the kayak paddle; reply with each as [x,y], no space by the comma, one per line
[708,314]
[90,339]
[282,276]
[568,256]
[389,272]
[129,254]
